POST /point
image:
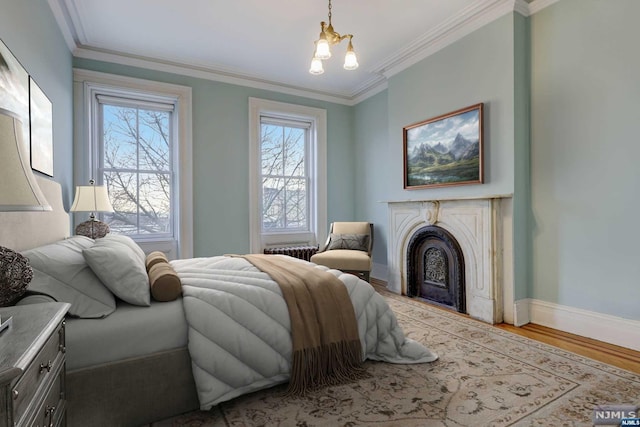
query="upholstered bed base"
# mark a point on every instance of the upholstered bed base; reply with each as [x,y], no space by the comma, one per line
[131,392]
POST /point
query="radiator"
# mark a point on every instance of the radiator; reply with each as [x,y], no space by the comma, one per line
[302,252]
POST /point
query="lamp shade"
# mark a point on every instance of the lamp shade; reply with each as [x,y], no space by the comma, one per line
[322,48]
[19,190]
[350,60]
[316,66]
[91,198]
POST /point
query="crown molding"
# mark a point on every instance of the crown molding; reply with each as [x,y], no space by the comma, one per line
[64,22]
[372,83]
[537,5]
[469,20]
[371,90]
[207,73]
[473,17]
[522,7]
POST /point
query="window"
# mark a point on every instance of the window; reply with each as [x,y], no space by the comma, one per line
[140,149]
[135,164]
[288,174]
[285,177]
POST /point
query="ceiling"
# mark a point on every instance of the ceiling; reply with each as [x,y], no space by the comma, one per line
[270,43]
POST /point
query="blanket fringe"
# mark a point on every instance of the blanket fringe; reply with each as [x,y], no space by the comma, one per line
[327,365]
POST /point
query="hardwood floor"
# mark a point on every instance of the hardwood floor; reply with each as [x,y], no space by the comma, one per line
[604,352]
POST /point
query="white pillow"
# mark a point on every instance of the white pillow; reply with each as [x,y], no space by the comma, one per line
[120,268]
[61,272]
[129,242]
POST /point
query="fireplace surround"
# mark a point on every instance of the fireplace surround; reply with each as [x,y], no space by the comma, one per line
[478,226]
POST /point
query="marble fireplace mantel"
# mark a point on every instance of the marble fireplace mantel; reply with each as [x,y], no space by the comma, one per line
[478,225]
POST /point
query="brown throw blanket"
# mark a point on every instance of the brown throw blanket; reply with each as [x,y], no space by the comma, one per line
[324,329]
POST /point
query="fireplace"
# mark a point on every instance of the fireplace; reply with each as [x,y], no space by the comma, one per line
[435,268]
[482,230]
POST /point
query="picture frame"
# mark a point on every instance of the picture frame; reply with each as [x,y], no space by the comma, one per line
[446,150]
[41,129]
[14,90]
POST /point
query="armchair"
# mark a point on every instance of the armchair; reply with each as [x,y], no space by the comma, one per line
[348,248]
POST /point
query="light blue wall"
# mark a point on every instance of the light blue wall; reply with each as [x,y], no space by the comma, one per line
[585,148]
[30,31]
[372,171]
[221,156]
[477,68]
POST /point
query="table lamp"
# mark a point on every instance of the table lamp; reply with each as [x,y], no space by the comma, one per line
[92,198]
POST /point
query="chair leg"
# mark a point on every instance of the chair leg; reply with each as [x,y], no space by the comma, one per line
[365,276]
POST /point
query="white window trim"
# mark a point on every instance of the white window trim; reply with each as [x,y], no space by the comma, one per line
[318,117]
[86,84]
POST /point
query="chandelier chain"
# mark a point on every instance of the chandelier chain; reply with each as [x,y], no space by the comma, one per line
[329,11]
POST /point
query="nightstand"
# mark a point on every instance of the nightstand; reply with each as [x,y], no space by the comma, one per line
[32,366]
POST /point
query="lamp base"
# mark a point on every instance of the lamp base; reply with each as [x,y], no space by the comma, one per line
[93,229]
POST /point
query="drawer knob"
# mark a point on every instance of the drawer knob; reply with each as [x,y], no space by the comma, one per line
[46,367]
[16,393]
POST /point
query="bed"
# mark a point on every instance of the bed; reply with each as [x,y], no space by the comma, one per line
[132,365]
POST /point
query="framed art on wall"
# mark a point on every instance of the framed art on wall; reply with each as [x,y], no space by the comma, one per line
[444,150]
[14,89]
[41,126]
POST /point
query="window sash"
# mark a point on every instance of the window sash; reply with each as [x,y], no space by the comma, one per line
[140,105]
[146,102]
[286,178]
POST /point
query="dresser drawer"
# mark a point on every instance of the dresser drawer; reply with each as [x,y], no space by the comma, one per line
[39,375]
[51,411]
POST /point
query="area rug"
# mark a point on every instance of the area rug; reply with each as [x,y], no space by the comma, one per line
[484,377]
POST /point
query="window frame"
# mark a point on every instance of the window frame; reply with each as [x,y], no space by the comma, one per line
[307,128]
[140,103]
[316,162]
[88,86]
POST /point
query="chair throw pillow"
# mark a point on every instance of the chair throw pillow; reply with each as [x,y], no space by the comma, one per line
[164,281]
[358,242]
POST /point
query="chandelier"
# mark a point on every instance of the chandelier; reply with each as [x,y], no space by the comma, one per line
[329,37]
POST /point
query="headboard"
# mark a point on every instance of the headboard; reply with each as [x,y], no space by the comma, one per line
[25,230]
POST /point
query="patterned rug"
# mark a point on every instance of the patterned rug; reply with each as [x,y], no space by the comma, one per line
[484,377]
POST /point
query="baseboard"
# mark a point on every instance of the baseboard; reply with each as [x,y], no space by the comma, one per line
[602,327]
[521,315]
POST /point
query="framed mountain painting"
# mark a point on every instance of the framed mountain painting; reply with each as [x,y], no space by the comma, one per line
[444,150]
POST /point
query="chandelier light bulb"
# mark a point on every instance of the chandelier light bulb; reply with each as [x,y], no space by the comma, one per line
[316,66]
[350,59]
[322,48]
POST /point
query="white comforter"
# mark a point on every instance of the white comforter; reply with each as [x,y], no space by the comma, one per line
[239,328]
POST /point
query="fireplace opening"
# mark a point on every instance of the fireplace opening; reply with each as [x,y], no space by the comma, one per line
[435,268]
